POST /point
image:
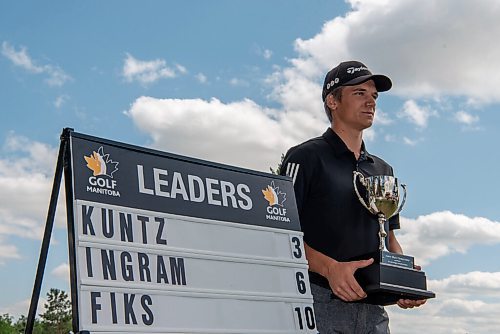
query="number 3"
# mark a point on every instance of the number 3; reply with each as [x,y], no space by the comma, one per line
[297,253]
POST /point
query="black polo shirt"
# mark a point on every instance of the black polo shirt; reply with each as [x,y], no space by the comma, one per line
[333,220]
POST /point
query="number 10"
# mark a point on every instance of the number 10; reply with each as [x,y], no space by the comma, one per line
[309,317]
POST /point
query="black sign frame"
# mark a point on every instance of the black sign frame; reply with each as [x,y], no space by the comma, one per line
[65,165]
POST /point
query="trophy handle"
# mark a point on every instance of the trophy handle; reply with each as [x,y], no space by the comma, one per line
[362,180]
[403,200]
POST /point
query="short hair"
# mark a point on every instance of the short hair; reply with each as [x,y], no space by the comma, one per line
[337,95]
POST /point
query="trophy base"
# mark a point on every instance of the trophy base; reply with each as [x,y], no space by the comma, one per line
[391,278]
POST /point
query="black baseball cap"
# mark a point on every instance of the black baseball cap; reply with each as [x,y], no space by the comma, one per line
[350,73]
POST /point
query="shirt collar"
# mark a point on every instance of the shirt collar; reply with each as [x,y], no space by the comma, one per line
[340,148]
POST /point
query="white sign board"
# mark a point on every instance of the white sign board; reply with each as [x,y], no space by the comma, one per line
[168,244]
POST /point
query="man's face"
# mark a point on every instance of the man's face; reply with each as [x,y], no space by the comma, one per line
[356,108]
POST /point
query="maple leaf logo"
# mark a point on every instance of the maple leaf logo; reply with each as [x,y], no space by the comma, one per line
[100,163]
[273,195]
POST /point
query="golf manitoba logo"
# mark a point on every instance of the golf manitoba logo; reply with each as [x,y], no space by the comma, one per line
[275,198]
[103,168]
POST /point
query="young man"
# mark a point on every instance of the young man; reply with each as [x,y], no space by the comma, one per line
[335,224]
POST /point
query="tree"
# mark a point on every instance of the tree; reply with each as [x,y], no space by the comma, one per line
[6,324]
[20,326]
[57,316]
[55,320]
[278,168]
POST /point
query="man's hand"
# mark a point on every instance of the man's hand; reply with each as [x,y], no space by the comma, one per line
[340,275]
[342,282]
[409,303]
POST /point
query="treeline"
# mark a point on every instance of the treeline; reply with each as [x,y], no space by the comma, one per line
[56,318]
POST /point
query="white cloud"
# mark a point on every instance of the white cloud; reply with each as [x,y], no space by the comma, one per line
[389,138]
[466,118]
[26,176]
[262,52]
[447,316]
[147,72]
[60,101]
[472,283]
[57,77]
[416,114]
[239,133]
[431,236]
[416,57]
[181,69]
[22,308]
[421,52]
[369,135]
[21,58]
[238,82]
[382,118]
[267,54]
[410,142]
[463,308]
[296,88]
[201,78]
[61,272]
[417,54]
[7,251]
[464,303]
[31,156]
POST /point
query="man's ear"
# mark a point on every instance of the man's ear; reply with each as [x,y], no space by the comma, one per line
[331,102]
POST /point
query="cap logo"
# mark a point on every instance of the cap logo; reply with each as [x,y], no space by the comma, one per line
[332,83]
[352,70]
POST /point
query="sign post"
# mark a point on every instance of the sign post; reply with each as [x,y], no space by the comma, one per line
[49,224]
[163,243]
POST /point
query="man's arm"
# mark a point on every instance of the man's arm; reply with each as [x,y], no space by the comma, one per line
[340,275]
[395,247]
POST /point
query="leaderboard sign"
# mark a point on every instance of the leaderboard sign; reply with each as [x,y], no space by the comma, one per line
[162,243]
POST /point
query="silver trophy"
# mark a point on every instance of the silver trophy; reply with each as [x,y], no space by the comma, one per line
[391,276]
[383,198]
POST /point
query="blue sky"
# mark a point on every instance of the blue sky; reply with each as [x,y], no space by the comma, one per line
[239,82]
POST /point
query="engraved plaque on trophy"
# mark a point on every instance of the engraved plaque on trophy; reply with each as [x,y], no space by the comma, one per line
[392,276]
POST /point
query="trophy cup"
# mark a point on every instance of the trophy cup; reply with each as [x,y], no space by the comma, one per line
[392,276]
